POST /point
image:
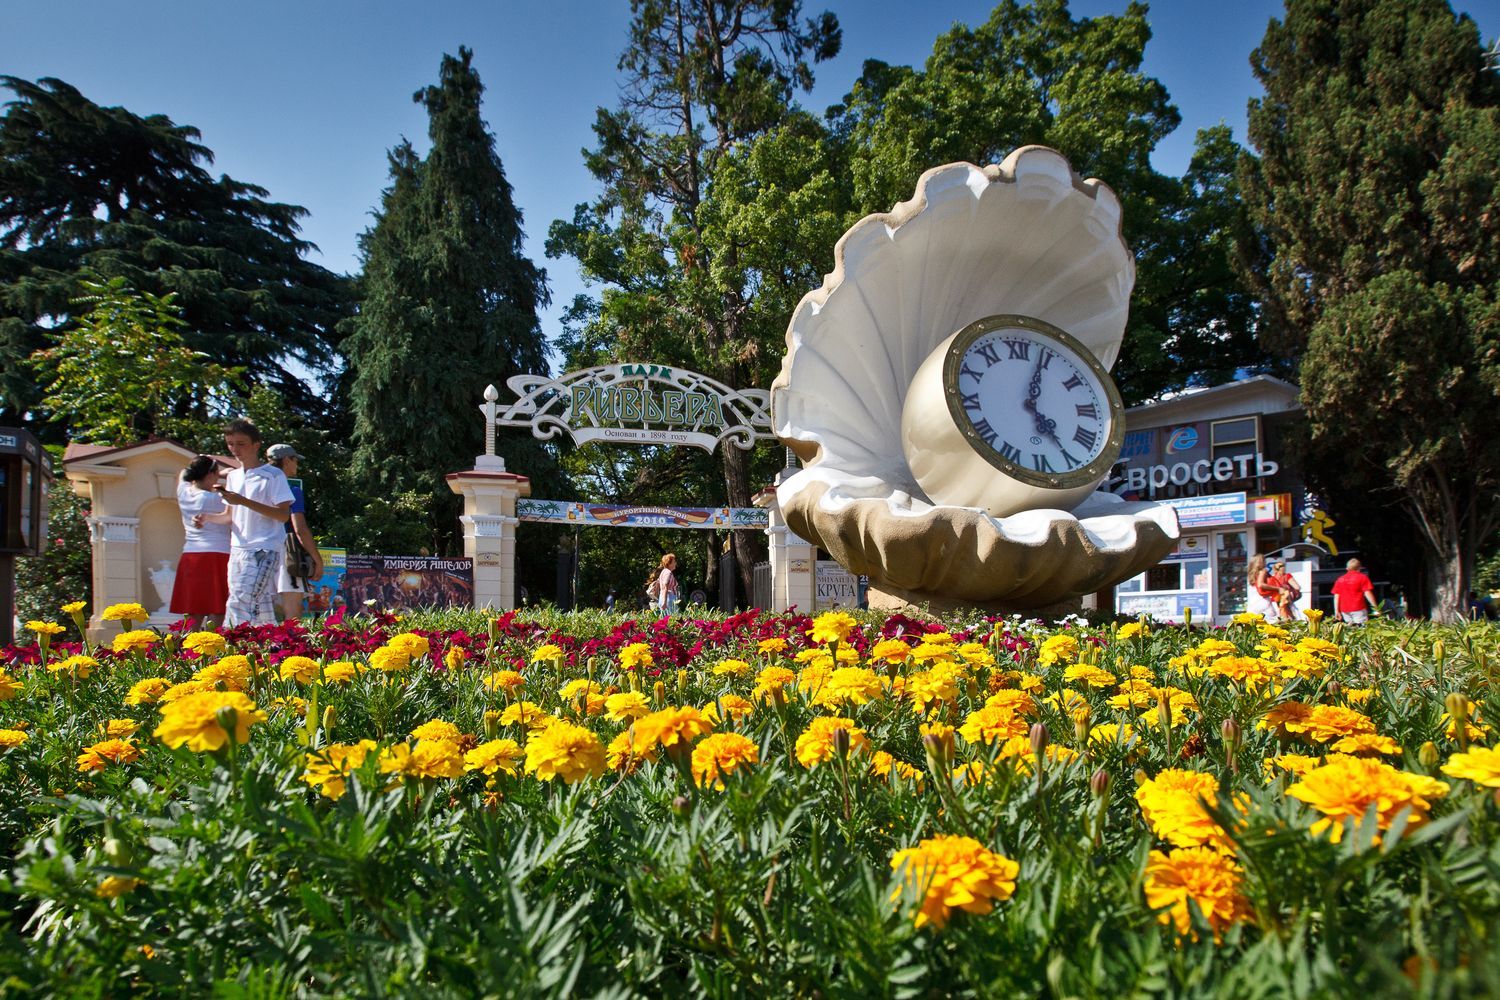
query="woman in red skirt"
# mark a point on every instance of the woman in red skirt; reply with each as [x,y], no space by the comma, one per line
[202,584]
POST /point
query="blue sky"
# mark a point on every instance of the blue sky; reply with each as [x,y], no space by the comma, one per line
[304,97]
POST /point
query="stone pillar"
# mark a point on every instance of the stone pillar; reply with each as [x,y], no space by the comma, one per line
[489,522]
[117,568]
[794,560]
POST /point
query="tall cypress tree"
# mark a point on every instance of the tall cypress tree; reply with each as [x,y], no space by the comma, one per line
[448,303]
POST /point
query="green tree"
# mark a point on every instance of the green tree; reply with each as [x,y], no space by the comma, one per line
[1375,191]
[90,189]
[1033,73]
[448,303]
[122,372]
[703,80]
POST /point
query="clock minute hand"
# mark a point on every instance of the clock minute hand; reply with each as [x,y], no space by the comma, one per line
[1043,424]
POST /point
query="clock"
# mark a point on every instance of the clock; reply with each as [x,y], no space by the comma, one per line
[1010,414]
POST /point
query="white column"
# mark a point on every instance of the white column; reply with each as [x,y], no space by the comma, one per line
[793,560]
[116,567]
[489,523]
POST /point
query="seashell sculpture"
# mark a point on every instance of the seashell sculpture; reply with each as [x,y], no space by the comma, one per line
[1026,242]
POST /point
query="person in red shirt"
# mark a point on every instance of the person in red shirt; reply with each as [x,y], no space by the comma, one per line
[1352,592]
[1286,603]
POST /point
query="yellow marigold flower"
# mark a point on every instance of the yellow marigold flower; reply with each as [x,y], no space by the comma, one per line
[1057,649]
[928,651]
[341,672]
[626,705]
[1480,765]
[731,705]
[424,759]
[882,764]
[991,723]
[832,626]
[1069,702]
[1248,618]
[927,688]
[508,681]
[1298,664]
[636,656]
[411,645]
[438,729]
[580,686]
[389,659]
[1367,743]
[671,726]
[1358,696]
[1112,732]
[297,705]
[494,755]
[954,873]
[816,744]
[1030,683]
[1208,878]
[1345,787]
[119,728]
[9,686]
[115,886]
[78,665]
[73,607]
[1130,630]
[1014,699]
[1293,763]
[204,643]
[105,752]
[976,654]
[193,720]
[46,628]
[1172,805]
[1251,671]
[231,671]
[849,685]
[627,753]
[721,754]
[1313,615]
[1093,676]
[775,644]
[771,681]
[563,750]
[1474,728]
[890,651]
[12,738]
[525,713]
[1325,723]
[302,669]
[145,692]
[455,658]
[1319,647]
[1018,751]
[139,639]
[1140,673]
[546,653]
[732,668]
[124,612]
[179,691]
[328,769]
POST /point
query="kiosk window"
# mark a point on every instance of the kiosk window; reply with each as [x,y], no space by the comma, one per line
[1167,576]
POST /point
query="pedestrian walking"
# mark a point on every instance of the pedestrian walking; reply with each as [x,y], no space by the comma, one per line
[260,500]
[303,563]
[1354,595]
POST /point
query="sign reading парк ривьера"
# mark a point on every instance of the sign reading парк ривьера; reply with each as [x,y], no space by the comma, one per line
[582,514]
[639,404]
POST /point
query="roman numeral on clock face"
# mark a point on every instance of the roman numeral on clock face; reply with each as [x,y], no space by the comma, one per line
[1039,462]
[971,400]
[1085,437]
[1019,349]
[1073,463]
[1087,410]
[990,352]
[986,432]
[1010,452]
[1073,382]
[966,370]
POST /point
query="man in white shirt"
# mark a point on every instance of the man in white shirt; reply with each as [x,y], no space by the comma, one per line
[260,501]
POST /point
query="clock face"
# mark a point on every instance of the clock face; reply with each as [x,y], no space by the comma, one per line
[1033,400]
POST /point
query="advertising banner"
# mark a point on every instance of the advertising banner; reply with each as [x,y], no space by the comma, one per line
[324,595]
[836,586]
[1209,511]
[409,582]
[616,516]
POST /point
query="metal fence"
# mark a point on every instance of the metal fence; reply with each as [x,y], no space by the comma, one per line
[761,581]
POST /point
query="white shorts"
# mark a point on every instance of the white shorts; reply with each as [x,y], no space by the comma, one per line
[284,582]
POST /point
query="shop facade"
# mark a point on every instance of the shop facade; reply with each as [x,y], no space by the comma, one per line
[1219,457]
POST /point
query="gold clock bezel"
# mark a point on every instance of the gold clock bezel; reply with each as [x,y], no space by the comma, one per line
[1096,469]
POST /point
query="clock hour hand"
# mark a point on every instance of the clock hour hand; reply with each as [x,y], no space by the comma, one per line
[1044,426]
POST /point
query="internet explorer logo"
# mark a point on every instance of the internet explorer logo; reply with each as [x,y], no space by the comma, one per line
[1182,439]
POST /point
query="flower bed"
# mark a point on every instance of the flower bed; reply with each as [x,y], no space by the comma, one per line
[761,804]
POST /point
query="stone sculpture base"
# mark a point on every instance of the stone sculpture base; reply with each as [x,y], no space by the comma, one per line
[884,597]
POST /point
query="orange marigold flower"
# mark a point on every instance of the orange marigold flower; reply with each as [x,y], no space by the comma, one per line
[197,720]
[626,753]
[328,769]
[832,626]
[508,681]
[1208,878]
[993,722]
[1326,723]
[671,726]
[425,759]
[302,669]
[1480,765]
[950,873]
[1172,805]
[563,750]
[494,755]
[721,754]
[9,686]
[438,729]
[817,744]
[1345,787]
[890,651]
[106,752]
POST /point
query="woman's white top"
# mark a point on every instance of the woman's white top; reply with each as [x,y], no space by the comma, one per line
[210,537]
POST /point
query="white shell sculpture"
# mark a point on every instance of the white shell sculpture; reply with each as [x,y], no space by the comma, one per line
[1027,236]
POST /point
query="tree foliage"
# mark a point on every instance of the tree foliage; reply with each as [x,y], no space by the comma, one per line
[122,372]
[684,267]
[1375,189]
[91,189]
[448,303]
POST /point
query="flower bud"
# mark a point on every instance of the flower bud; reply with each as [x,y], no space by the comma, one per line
[1187,617]
[1233,735]
[659,693]
[330,716]
[1334,689]
[491,723]
[492,628]
[682,805]
[591,665]
[1140,777]
[228,719]
[1038,738]
[1437,650]
[841,742]
[681,681]
[1081,726]
[1458,707]
[1100,782]
[117,851]
[1427,756]
[972,686]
